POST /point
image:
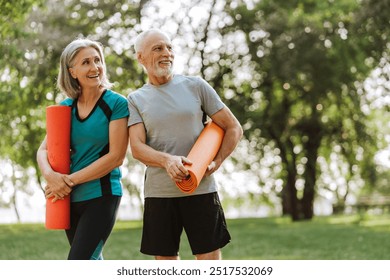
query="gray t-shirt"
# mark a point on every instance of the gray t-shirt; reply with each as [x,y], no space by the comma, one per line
[172,115]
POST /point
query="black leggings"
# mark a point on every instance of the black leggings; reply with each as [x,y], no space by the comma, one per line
[91,224]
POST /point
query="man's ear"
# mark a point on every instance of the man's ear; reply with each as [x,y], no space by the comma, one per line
[140,58]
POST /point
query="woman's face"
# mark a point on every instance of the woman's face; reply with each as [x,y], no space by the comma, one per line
[87,68]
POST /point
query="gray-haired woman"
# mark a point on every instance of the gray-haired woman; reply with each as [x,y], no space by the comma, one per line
[99,140]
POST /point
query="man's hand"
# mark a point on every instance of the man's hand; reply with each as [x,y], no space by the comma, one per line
[175,167]
[212,167]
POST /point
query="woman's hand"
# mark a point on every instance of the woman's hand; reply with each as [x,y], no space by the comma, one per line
[58,186]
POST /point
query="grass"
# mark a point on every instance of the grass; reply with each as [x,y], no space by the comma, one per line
[323,238]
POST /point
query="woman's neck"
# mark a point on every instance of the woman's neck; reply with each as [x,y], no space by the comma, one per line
[90,95]
[87,101]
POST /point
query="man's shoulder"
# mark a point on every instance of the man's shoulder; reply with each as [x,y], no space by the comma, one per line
[139,91]
[181,78]
[194,82]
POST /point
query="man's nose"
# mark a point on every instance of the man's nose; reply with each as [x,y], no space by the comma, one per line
[167,51]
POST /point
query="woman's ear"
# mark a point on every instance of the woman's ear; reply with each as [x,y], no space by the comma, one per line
[72,73]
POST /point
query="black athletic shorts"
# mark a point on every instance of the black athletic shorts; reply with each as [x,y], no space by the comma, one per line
[201,216]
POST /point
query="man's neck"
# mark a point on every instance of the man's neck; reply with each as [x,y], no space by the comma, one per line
[158,81]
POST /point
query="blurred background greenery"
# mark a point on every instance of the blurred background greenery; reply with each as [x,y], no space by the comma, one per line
[308,80]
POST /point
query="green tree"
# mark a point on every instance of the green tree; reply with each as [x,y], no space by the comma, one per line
[292,71]
[307,61]
[14,99]
[33,35]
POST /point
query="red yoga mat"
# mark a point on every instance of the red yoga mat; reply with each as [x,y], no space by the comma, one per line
[202,154]
[58,120]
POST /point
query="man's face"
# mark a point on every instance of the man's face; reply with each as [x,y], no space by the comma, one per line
[157,55]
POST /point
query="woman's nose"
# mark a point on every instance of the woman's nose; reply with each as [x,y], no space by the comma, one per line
[95,65]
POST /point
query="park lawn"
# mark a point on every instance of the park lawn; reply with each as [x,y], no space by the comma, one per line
[324,238]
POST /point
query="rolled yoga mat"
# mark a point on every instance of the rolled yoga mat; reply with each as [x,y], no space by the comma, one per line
[58,121]
[202,154]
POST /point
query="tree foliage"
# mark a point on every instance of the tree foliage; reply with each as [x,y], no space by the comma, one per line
[293,72]
[31,46]
[307,62]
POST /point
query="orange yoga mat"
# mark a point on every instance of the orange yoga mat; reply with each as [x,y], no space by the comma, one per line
[58,120]
[202,154]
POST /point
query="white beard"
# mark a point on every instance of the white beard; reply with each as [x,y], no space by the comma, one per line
[163,72]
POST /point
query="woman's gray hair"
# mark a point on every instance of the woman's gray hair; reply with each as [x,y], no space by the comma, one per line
[139,41]
[65,81]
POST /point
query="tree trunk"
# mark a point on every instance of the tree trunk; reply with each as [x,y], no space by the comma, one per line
[310,179]
[292,193]
[13,197]
[289,194]
[310,175]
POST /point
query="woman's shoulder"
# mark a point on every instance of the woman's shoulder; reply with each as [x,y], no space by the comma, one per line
[113,95]
[67,102]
